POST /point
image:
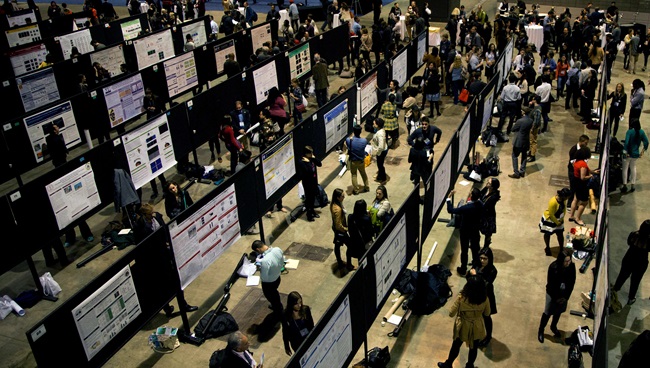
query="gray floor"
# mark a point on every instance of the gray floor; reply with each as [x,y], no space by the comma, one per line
[519,258]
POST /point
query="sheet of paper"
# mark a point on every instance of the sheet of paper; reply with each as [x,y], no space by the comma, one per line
[464,183]
[124,232]
[395,319]
[291,264]
[253,281]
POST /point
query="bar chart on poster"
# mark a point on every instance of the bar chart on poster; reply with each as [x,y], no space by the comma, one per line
[152,49]
[278,165]
[124,99]
[389,260]
[73,195]
[39,126]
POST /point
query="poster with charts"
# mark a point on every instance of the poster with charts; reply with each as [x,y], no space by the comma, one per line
[27,59]
[201,238]
[487,108]
[149,151]
[37,89]
[464,137]
[80,40]
[368,92]
[221,51]
[131,29]
[22,35]
[180,73]
[197,30]
[73,195]
[154,48]
[422,48]
[124,99]
[442,181]
[18,20]
[110,58]
[336,124]
[400,66]
[39,126]
[101,316]
[259,35]
[299,61]
[278,165]
[334,343]
[389,260]
[264,79]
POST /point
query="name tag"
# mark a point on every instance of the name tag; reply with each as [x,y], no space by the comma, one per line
[427,141]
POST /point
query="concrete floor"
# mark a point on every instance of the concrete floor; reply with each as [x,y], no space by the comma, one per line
[518,248]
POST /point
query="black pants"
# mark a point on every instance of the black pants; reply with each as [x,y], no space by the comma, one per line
[381,170]
[469,239]
[614,118]
[631,267]
[572,93]
[310,197]
[234,158]
[71,236]
[163,184]
[635,114]
[58,248]
[455,350]
[270,290]
[509,111]
[341,239]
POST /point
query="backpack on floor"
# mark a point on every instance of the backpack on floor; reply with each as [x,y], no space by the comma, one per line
[432,290]
[222,325]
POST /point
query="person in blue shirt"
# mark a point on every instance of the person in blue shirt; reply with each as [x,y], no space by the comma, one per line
[271,262]
[357,151]
[632,151]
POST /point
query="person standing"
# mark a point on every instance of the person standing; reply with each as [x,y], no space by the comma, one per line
[271,262]
[552,221]
[360,228]
[231,66]
[357,151]
[297,322]
[241,122]
[520,146]
[321,83]
[227,135]
[617,107]
[469,309]
[635,261]
[236,353]
[470,236]
[490,195]
[152,104]
[636,99]
[421,162]
[391,126]
[632,151]
[581,174]
[488,273]
[544,92]
[380,149]
[561,278]
[588,90]
[308,172]
[340,229]
[294,15]
[536,116]
[511,97]
[635,41]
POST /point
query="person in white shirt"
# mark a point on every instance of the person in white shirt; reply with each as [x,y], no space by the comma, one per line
[214,27]
[511,97]
[544,93]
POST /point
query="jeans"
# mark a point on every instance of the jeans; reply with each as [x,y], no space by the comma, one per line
[509,111]
[572,93]
[381,171]
[321,97]
[561,81]
[516,152]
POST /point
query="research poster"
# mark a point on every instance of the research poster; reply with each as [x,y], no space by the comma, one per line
[180,73]
[336,124]
[221,52]
[602,285]
[149,151]
[400,66]
[201,238]
[464,136]
[81,23]
[110,58]
[487,108]
[334,344]
[278,165]
[73,195]
[155,48]
[80,40]
[37,89]
[442,181]
[299,61]
[28,59]
[197,30]
[368,94]
[39,126]
[106,312]
[22,35]
[124,99]
[422,48]
[21,19]
[131,29]
[389,260]
[265,78]
[508,58]
[259,35]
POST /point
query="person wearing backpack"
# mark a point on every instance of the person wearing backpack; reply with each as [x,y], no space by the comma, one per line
[470,235]
[572,86]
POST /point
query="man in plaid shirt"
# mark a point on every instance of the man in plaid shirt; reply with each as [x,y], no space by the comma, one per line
[389,114]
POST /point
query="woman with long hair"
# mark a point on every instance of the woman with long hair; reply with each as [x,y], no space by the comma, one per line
[176,199]
[635,261]
[456,71]
[379,208]
[561,278]
[431,89]
[360,228]
[596,55]
[490,195]
[552,221]
[588,93]
[581,175]
[491,55]
[297,322]
[636,99]
[634,137]
[469,309]
[617,107]
[380,149]
[340,229]
[561,74]
[486,270]
[277,103]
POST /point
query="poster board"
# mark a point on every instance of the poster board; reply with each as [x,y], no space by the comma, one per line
[181,74]
[197,30]
[221,51]
[131,29]
[368,94]
[17,20]
[110,58]
[23,35]
[152,49]
[27,59]
[278,165]
[400,67]
[389,259]
[259,35]
[40,124]
[336,124]
[442,181]
[464,139]
[124,99]
[488,102]
[299,61]
[80,40]
[264,78]
[73,195]
[422,48]
[37,89]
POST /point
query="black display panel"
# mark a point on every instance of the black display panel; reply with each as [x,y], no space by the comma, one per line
[179,127]
[333,123]
[11,254]
[331,45]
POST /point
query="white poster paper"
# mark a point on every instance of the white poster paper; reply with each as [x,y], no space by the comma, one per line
[442,181]
[299,61]
[334,344]
[221,51]
[278,165]
[180,73]
[400,66]
[28,59]
[197,30]
[488,103]
[106,312]
[110,58]
[265,78]
[131,29]
[149,151]
[336,124]
[422,48]
[153,49]
[39,126]
[602,284]
[389,260]
[124,99]
[463,141]
[73,195]
[201,238]
[80,40]
[18,20]
[23,35]
[508,59]
[37,89]
[259,35]
[369,94]
[82,23]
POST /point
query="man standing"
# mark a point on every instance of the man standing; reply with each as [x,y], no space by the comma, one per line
[544,93]
[241,122]
[430,135]
[357,151]
[611,50]
[214,27]
[231,66]
[321,83]
[520,146]
[470,236]
[250,14]
[271,263]
[536,117]
[511,96]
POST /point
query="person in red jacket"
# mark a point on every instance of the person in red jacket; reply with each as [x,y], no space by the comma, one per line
[227,135]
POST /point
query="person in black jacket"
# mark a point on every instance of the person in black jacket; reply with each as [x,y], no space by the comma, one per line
[360,227]
[617,107]
[486,270]
[152,104]
[588,93]
[490,195]
[235,355]
[560,281]
[307,170]
[470,236]
[421,162]
[226,25]
[635,261]
[231,66]
[430,135]
[297,322]
[176,199]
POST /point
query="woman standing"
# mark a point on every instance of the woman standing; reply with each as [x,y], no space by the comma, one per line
[297,322]
[635,261]
[469,309]
[366,47]
[560,280]
[617,107]
[522,83]
[486,270]
[340,228]
[360,228]
[561,75]
[552,221]
[309,177]
[596,55]
[176,200]
[636,99]
[380,149]
[581,174]
[432,89]
[296,97]
[491,56]
[631,152]
[456,71]
[490,195]
[588,93]
[628,46]
[277,103]
[379,208]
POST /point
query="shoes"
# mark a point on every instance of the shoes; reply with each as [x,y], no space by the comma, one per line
[556,332]
[550,120]
[154,195]
[624,189]
[461,270]
[522,174]
[547,251]
[514,176]
[632,189]
[355,192]
[220,160]
[540,336]
[531,159]
[283,210]
[212,158]
[350,267]
[90,239]
[643,69]
[485,342]
[190,308]
[310,219]
[631,301]
[169,310]
[269,214]
[443,365]
[365,190]
[316,215]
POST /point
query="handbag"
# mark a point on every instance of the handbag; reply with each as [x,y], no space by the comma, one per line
[304,101]
[378,357]
[463,96]
[301,107]
[50,287]
[367,160]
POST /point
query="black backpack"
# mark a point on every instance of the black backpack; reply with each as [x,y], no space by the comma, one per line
[223,324]
[530,74]
[574,81]
[432,290]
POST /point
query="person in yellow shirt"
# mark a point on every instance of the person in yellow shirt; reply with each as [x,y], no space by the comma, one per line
[552,221]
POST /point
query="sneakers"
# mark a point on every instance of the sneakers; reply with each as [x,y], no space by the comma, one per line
[631,301]
[624,189]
